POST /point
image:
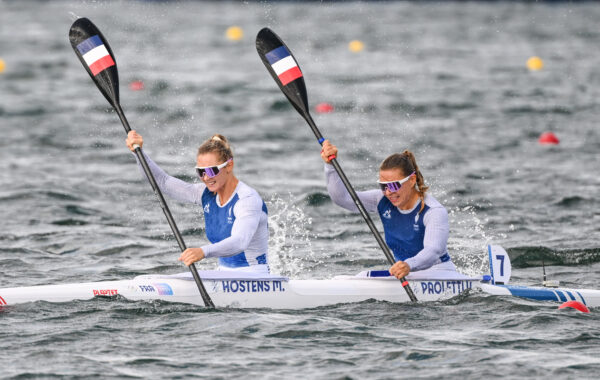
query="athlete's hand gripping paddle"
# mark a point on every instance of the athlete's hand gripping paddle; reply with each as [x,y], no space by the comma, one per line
[284,68]
[95,54]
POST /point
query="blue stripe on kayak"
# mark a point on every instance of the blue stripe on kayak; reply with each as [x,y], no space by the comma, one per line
[379,273]
[535,294]
[561,295]
[571,295]
[582,300]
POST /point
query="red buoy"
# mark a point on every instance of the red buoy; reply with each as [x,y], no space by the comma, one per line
[548,138]
[575,305]
[136,85]
[324,108]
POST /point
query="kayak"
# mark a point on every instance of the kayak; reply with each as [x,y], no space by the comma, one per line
[244,290]
[235,289]
[229,289]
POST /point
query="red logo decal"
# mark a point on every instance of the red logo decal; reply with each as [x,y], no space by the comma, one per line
[105,292]
[2,301]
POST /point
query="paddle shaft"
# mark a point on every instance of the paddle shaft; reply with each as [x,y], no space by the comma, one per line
[163,204]
[360,206]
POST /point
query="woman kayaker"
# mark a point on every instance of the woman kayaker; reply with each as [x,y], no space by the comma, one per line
[415,223]
[235,215]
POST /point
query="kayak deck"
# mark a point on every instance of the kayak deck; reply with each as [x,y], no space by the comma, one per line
[244,290]
[247,290]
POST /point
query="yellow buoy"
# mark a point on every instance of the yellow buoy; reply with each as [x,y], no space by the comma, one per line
[356,46]
[2,65]
[234,33]
[535,63]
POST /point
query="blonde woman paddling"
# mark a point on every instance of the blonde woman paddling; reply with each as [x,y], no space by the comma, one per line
[235,215]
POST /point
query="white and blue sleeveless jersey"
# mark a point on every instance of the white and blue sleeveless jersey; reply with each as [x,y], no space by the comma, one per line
[237,230]
[228,227]
[417,238]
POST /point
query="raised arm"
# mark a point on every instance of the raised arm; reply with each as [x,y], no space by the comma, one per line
[336,189]
[173,187]
[341,197]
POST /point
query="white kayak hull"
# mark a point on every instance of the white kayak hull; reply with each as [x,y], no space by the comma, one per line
[241,293]
[280,293]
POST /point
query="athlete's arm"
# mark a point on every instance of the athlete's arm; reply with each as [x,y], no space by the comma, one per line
[174,187]
[248,212]
[435,240]
[341,197]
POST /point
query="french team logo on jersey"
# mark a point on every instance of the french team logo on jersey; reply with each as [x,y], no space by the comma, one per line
[387,214]
[95,55]
[207,208]
[284,65]
[229,218]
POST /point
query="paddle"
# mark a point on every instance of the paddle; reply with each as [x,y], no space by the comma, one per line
[99,61]
[284,68]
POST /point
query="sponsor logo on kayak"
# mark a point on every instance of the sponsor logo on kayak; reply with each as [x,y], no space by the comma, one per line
[451,287]
[2,302]
[163,289]
[105,292]
[252,286]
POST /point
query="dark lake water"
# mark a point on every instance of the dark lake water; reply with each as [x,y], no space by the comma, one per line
[446,80]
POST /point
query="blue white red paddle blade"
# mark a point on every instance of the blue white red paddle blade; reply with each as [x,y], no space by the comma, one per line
[97,58]
[283,67]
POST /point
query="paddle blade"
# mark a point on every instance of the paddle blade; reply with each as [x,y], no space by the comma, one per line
[95,54]
[283,67]
[575,305]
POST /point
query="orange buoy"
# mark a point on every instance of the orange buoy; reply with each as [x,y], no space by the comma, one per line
[324,108]
[136,85]
[535,64]
[575,305]
[356,46]
[234,33]
[548,138]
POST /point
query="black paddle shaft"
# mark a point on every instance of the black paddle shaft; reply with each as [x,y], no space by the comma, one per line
[101,65]
[283,67]
[361,208]
[165,208]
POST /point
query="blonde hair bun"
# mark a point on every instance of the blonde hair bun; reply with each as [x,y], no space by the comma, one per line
[217,144]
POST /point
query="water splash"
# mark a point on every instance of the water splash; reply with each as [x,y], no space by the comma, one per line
[468,251]
[290,248]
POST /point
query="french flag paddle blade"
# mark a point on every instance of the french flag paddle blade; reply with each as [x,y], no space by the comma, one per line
[97,57]
[283,67]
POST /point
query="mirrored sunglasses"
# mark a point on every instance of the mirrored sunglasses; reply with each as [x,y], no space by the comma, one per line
[393,186]
[211,171]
